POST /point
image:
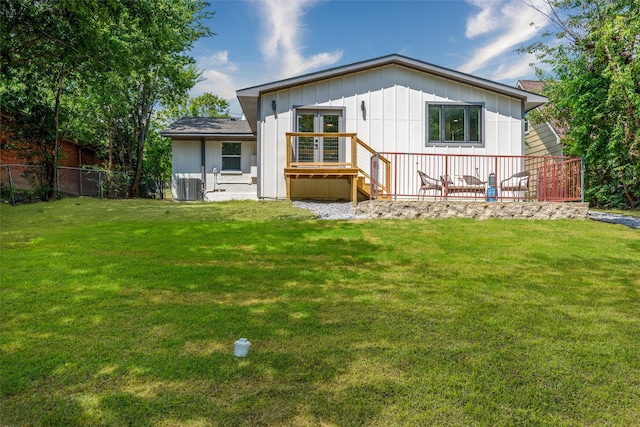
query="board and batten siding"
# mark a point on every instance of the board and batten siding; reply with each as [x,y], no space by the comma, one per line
[395,99]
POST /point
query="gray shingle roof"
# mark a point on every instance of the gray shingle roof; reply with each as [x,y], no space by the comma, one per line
[207,126]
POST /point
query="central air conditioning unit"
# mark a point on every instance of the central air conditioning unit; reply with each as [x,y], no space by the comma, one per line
[189,189]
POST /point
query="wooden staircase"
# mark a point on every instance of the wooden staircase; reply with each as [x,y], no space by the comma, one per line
[364,179]
[360,179]
[364,189]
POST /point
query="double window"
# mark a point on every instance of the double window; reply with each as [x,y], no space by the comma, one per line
[454,124]
[231,156]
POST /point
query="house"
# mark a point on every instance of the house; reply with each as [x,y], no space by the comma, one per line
[213,159]
[313,136]
[18,159]
[541,139]
[72,153]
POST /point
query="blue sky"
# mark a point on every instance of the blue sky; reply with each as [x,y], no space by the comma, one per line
[260,41]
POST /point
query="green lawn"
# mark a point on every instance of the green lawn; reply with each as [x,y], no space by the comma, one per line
[124,313]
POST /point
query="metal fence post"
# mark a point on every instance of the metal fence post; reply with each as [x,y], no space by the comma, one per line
[57,182]
[13,199]
[373,191]
[582,179]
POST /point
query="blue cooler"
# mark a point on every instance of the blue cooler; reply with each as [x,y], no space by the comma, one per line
[491,190]
[491,194]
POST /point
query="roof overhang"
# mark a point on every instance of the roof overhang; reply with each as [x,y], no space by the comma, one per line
[250,96]
[209,135]
[249,103]
[210,128]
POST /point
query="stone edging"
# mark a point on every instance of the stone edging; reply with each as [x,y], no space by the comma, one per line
[412,209]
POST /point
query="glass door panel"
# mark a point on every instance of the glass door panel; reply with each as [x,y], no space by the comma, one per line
[330,146]
[305,150]
[318,149]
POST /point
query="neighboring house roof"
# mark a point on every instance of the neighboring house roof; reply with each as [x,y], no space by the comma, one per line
[200,127]
[248,97]
[537,86]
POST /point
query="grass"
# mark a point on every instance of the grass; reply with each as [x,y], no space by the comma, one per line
[123,313]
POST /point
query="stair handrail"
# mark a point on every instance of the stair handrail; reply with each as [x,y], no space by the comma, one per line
[387,165]
[355,141]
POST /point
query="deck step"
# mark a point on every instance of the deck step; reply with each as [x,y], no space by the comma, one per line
[365,189]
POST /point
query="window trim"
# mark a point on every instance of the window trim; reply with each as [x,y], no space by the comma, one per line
[441,141]
[235,156]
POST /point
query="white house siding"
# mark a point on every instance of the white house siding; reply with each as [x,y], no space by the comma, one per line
[395,100]
[213,159]
[187,163]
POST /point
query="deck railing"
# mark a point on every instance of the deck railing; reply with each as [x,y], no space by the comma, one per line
[480,177]
[356,155]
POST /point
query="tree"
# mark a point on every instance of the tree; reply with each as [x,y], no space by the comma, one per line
[205,105]
[164,73]
[45,47]
[125,56]
[157,156]
[594,92]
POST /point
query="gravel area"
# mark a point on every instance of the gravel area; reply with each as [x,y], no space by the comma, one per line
[329,210]
[629,221]
[345,211]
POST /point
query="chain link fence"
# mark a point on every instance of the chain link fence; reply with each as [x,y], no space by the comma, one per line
[24,184]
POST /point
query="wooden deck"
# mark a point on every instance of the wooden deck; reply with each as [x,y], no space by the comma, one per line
[325,171]
[351,170]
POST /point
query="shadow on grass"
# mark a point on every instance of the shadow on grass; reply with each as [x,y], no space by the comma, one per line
[388,323]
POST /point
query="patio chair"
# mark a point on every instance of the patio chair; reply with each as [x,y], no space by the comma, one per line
[428,183]
[515,183]
[446,183]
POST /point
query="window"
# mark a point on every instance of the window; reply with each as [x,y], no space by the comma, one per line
[454,123]
[231,156]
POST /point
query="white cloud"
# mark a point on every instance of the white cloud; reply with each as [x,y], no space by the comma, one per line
[483,22]
[507,25]
[282,33]
[221,84]
[514,70]
[217,83]
[217,60]
[220,77]
[283,29]
[282,51]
